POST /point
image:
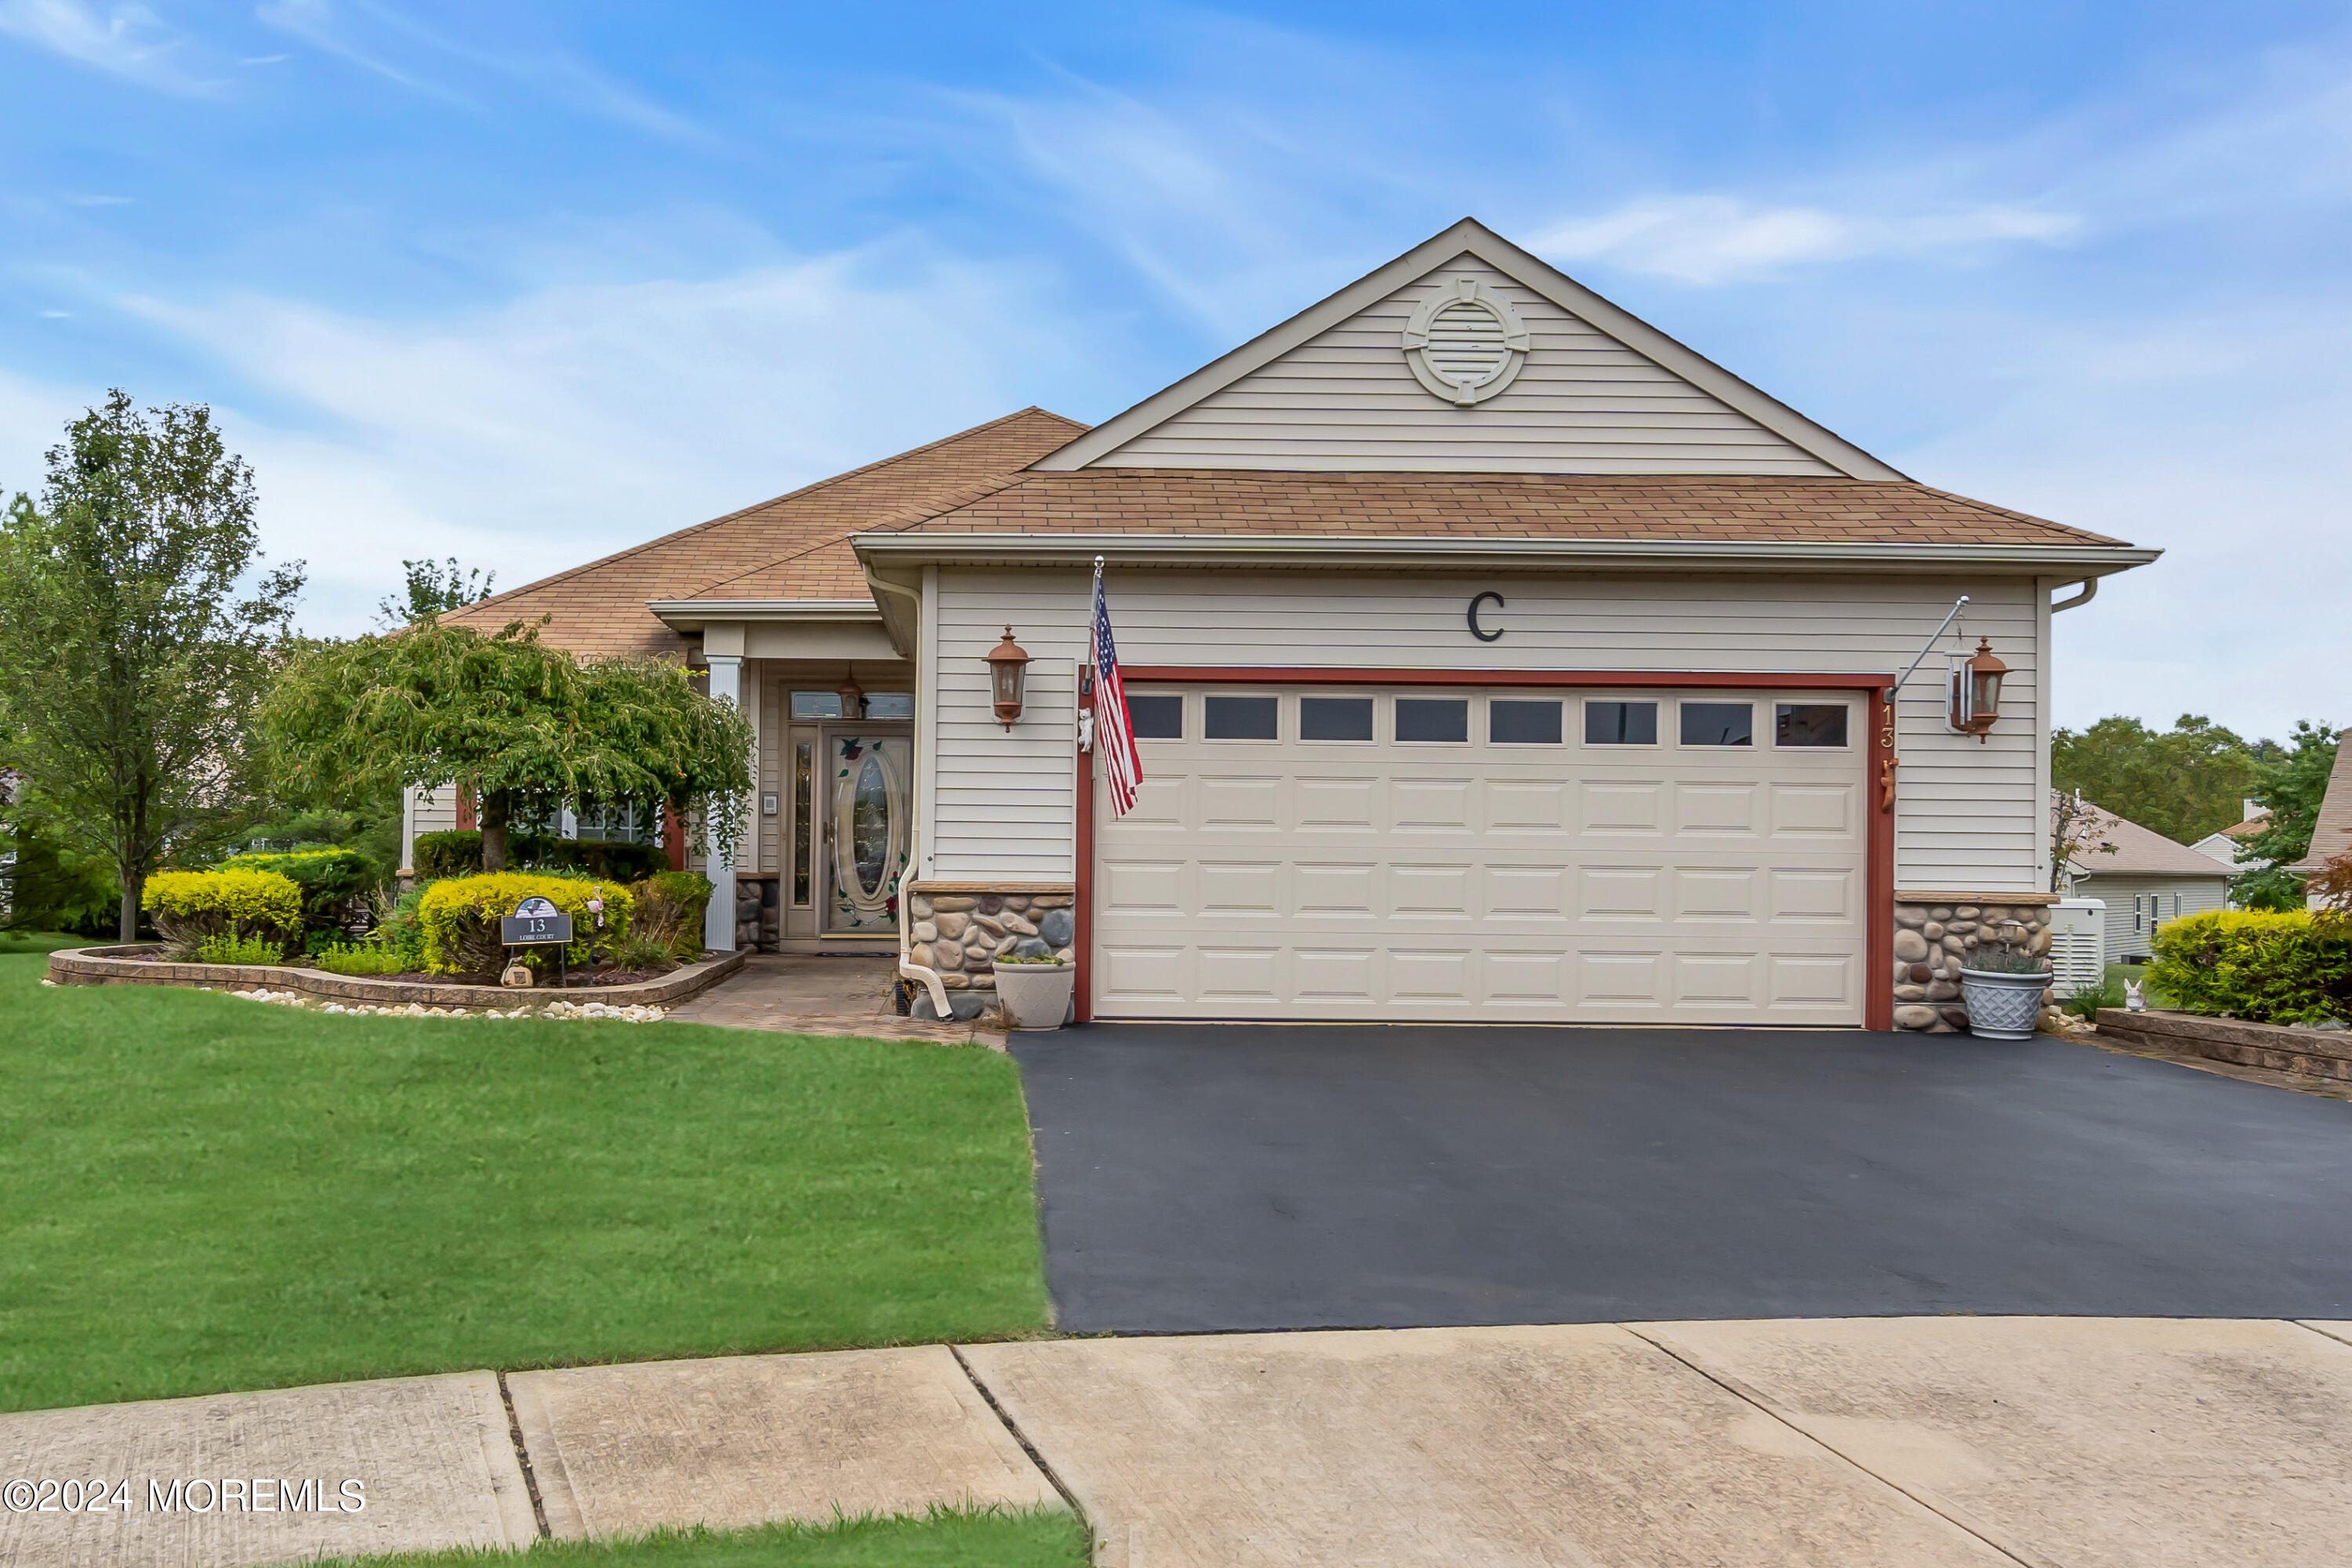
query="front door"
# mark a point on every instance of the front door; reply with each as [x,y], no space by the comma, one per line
[865,827]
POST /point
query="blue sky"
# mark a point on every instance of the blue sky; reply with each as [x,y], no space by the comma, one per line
[526,283]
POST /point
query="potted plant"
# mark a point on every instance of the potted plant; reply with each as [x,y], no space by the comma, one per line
[2002,987]
[1035,991]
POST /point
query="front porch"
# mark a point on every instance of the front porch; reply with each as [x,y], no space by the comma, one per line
[825,993]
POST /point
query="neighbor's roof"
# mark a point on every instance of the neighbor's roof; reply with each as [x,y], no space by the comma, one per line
[793,547]
[2253,827]
[1515,506]
[2331,835]
[2140,852]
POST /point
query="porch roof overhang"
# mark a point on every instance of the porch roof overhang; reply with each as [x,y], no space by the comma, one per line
[2067,563]
[690,616]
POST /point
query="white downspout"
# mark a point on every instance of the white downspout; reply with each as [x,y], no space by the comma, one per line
[908,968]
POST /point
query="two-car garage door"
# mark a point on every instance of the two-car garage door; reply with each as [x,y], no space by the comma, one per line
[1506,854]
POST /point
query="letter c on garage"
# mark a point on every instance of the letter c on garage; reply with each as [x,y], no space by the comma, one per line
[1475,630]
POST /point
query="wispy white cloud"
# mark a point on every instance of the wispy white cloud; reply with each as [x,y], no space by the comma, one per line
[557,74]
[1714,239]
[580,418]
[127,40]
[315,23]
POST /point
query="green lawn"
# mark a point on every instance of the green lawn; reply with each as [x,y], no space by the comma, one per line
[984,1539]
[201,1193]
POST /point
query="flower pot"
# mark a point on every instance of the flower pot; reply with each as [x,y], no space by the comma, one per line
[1035,995]
[2002,1006]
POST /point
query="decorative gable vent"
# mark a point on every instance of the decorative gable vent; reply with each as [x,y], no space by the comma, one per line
[1465,344]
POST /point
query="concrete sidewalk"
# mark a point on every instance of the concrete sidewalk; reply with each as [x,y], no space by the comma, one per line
[1929,1441]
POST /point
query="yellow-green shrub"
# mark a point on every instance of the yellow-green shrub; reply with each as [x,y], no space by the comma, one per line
[188,907]
[460,917]
[2258,964]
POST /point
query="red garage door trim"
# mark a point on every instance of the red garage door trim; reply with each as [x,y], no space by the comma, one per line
[1878,996]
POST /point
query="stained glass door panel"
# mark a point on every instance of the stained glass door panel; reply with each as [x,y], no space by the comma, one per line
[867,829]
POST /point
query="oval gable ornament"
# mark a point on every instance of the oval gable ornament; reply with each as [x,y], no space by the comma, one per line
[1464,342]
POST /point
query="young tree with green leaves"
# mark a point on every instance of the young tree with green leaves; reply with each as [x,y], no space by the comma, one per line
[2184,782]
[435,588]
[2292,787]
[528,728]
[137,634]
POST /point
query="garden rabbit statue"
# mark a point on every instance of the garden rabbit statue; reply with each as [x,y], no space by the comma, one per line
[2135,999]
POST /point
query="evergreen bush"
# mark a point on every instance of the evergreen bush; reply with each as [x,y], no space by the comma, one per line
[2268,967]
[188,907]
[459,917]
[333,882]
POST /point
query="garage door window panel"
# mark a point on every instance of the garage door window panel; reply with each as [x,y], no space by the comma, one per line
[1511,721]
[1433,720]
[1621,723]
[1811,724]
[1335,718]
[1241,718]
[1719,724]
[1156,715]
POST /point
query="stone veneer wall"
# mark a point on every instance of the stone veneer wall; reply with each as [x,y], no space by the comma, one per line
[960,931]
[1931,940]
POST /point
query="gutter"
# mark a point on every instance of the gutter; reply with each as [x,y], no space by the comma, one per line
[693,615]
[1423,553]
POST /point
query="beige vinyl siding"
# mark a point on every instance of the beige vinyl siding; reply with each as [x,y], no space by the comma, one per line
[429,811]
[1968,815]
[1582,403]
[2198,896]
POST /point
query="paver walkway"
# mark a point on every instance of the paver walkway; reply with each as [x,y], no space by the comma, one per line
[803,994]
[2091,1443]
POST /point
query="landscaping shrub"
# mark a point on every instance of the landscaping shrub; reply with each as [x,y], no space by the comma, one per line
[459,917]
[360,958]
[451,853]
[2271,968]
[457,854]
[228,949]
[401,931]
[333,882]
[669,907]
[190,906]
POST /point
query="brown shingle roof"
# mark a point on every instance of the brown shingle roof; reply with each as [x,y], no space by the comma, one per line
[2331,834]
[2138,852]
[793,547]
[1539,506]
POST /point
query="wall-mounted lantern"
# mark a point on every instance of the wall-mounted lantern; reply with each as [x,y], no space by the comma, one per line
[1006,662]
[1976,691]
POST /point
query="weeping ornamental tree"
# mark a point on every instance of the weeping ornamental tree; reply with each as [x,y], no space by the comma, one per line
[138,631]
[528,729]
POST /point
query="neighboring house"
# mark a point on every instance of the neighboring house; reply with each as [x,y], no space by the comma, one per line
[2227,845]
[1493,655]
[2331,833]
[2148,881]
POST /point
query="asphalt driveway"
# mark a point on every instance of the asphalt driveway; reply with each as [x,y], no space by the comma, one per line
[1198,1178]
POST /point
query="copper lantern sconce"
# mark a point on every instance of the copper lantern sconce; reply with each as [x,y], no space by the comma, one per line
[1006,665]
[1976,691]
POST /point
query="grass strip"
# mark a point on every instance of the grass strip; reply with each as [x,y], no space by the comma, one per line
[945,1538]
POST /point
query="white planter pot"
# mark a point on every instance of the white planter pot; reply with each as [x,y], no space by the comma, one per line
[2002,1006]
[1035,995]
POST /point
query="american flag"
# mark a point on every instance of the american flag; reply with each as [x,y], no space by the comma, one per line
[1114,736]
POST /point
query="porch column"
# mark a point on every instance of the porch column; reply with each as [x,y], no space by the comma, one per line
[719,919]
